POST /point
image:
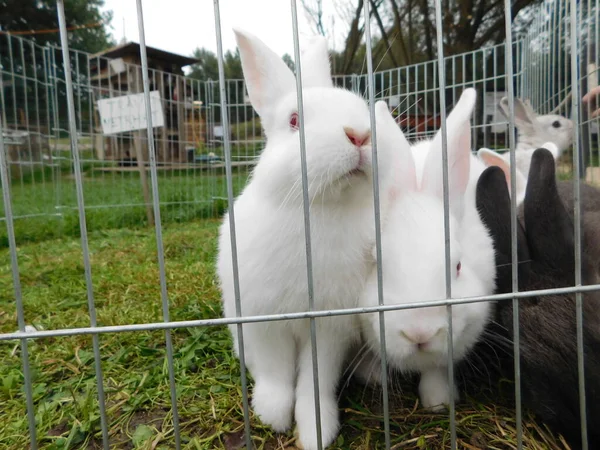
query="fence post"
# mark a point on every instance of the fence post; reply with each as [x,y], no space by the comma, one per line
[139,156]
[585,142]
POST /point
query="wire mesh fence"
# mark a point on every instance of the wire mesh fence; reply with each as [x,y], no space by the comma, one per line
[71,168]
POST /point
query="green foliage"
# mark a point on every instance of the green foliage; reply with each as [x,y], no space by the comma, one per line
[26,15]
[46,204]
[207,68]
[251,129]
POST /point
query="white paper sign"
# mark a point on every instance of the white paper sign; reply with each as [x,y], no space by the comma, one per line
[128,113]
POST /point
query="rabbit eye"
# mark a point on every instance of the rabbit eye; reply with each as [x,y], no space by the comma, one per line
[556,124]
[294,121]
[458,267]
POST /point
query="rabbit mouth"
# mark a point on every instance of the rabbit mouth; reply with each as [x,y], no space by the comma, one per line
[356,172]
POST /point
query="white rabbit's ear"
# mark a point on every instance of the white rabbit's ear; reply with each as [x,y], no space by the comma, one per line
[390,135]
[524,114]
[491,158]
[267,76]
[316,71]
[503,107]
[458,129]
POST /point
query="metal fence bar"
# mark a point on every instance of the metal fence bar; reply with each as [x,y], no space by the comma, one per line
[306,207]
[14,262]
[508,58]
[290,316]
[231,213]
[14,92]
[377,215]
[37,103]
[535,60]
[574,35]
[82,221]
[446,197]
[158,224]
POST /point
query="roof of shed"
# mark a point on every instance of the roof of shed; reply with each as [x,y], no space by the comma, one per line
[130,48]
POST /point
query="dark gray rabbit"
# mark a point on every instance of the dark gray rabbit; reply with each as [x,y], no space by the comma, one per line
[546,253]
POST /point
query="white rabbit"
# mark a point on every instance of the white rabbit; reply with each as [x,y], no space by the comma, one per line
[270,234]
[413,262]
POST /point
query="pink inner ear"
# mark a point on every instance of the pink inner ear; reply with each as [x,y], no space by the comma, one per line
[459,155]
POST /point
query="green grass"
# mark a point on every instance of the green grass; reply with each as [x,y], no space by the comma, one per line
[251,129]
[126,290]
[46,205]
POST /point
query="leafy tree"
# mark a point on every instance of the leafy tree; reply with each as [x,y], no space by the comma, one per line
[233,65]
[41,15]
[208,67]
[404,31]
[27,26]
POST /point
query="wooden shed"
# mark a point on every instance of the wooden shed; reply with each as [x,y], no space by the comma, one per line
[117,72]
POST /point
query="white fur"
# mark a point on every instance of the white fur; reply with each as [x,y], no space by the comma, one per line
[413,263]
[271,244]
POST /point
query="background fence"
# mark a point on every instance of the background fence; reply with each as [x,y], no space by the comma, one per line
[189,152]
[189,148]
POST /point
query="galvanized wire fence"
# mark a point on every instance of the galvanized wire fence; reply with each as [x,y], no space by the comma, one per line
[189,147]
[63,174]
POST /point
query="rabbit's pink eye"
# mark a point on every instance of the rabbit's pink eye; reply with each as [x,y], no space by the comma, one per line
[294,121]
[458,266]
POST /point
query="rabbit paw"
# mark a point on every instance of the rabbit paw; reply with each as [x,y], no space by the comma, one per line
[274,403]
[434,390]
[306,422]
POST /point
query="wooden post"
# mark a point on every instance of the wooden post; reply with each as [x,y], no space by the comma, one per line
[163,131]
[139,156]
[180,119]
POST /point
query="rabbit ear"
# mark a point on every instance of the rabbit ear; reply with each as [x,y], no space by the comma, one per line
[493,204]
[524,114]
[267,77]
[491,158]
[503,107]
[549,227]
[389,134]
[316,71]
[458,129]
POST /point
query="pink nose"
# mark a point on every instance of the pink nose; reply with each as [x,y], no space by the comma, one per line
[356,138]
[420,337]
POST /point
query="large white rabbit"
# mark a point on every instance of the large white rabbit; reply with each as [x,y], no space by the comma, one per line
[413,262]
[270,234]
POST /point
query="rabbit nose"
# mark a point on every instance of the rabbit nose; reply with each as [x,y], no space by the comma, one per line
[358,139]
[421,338]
